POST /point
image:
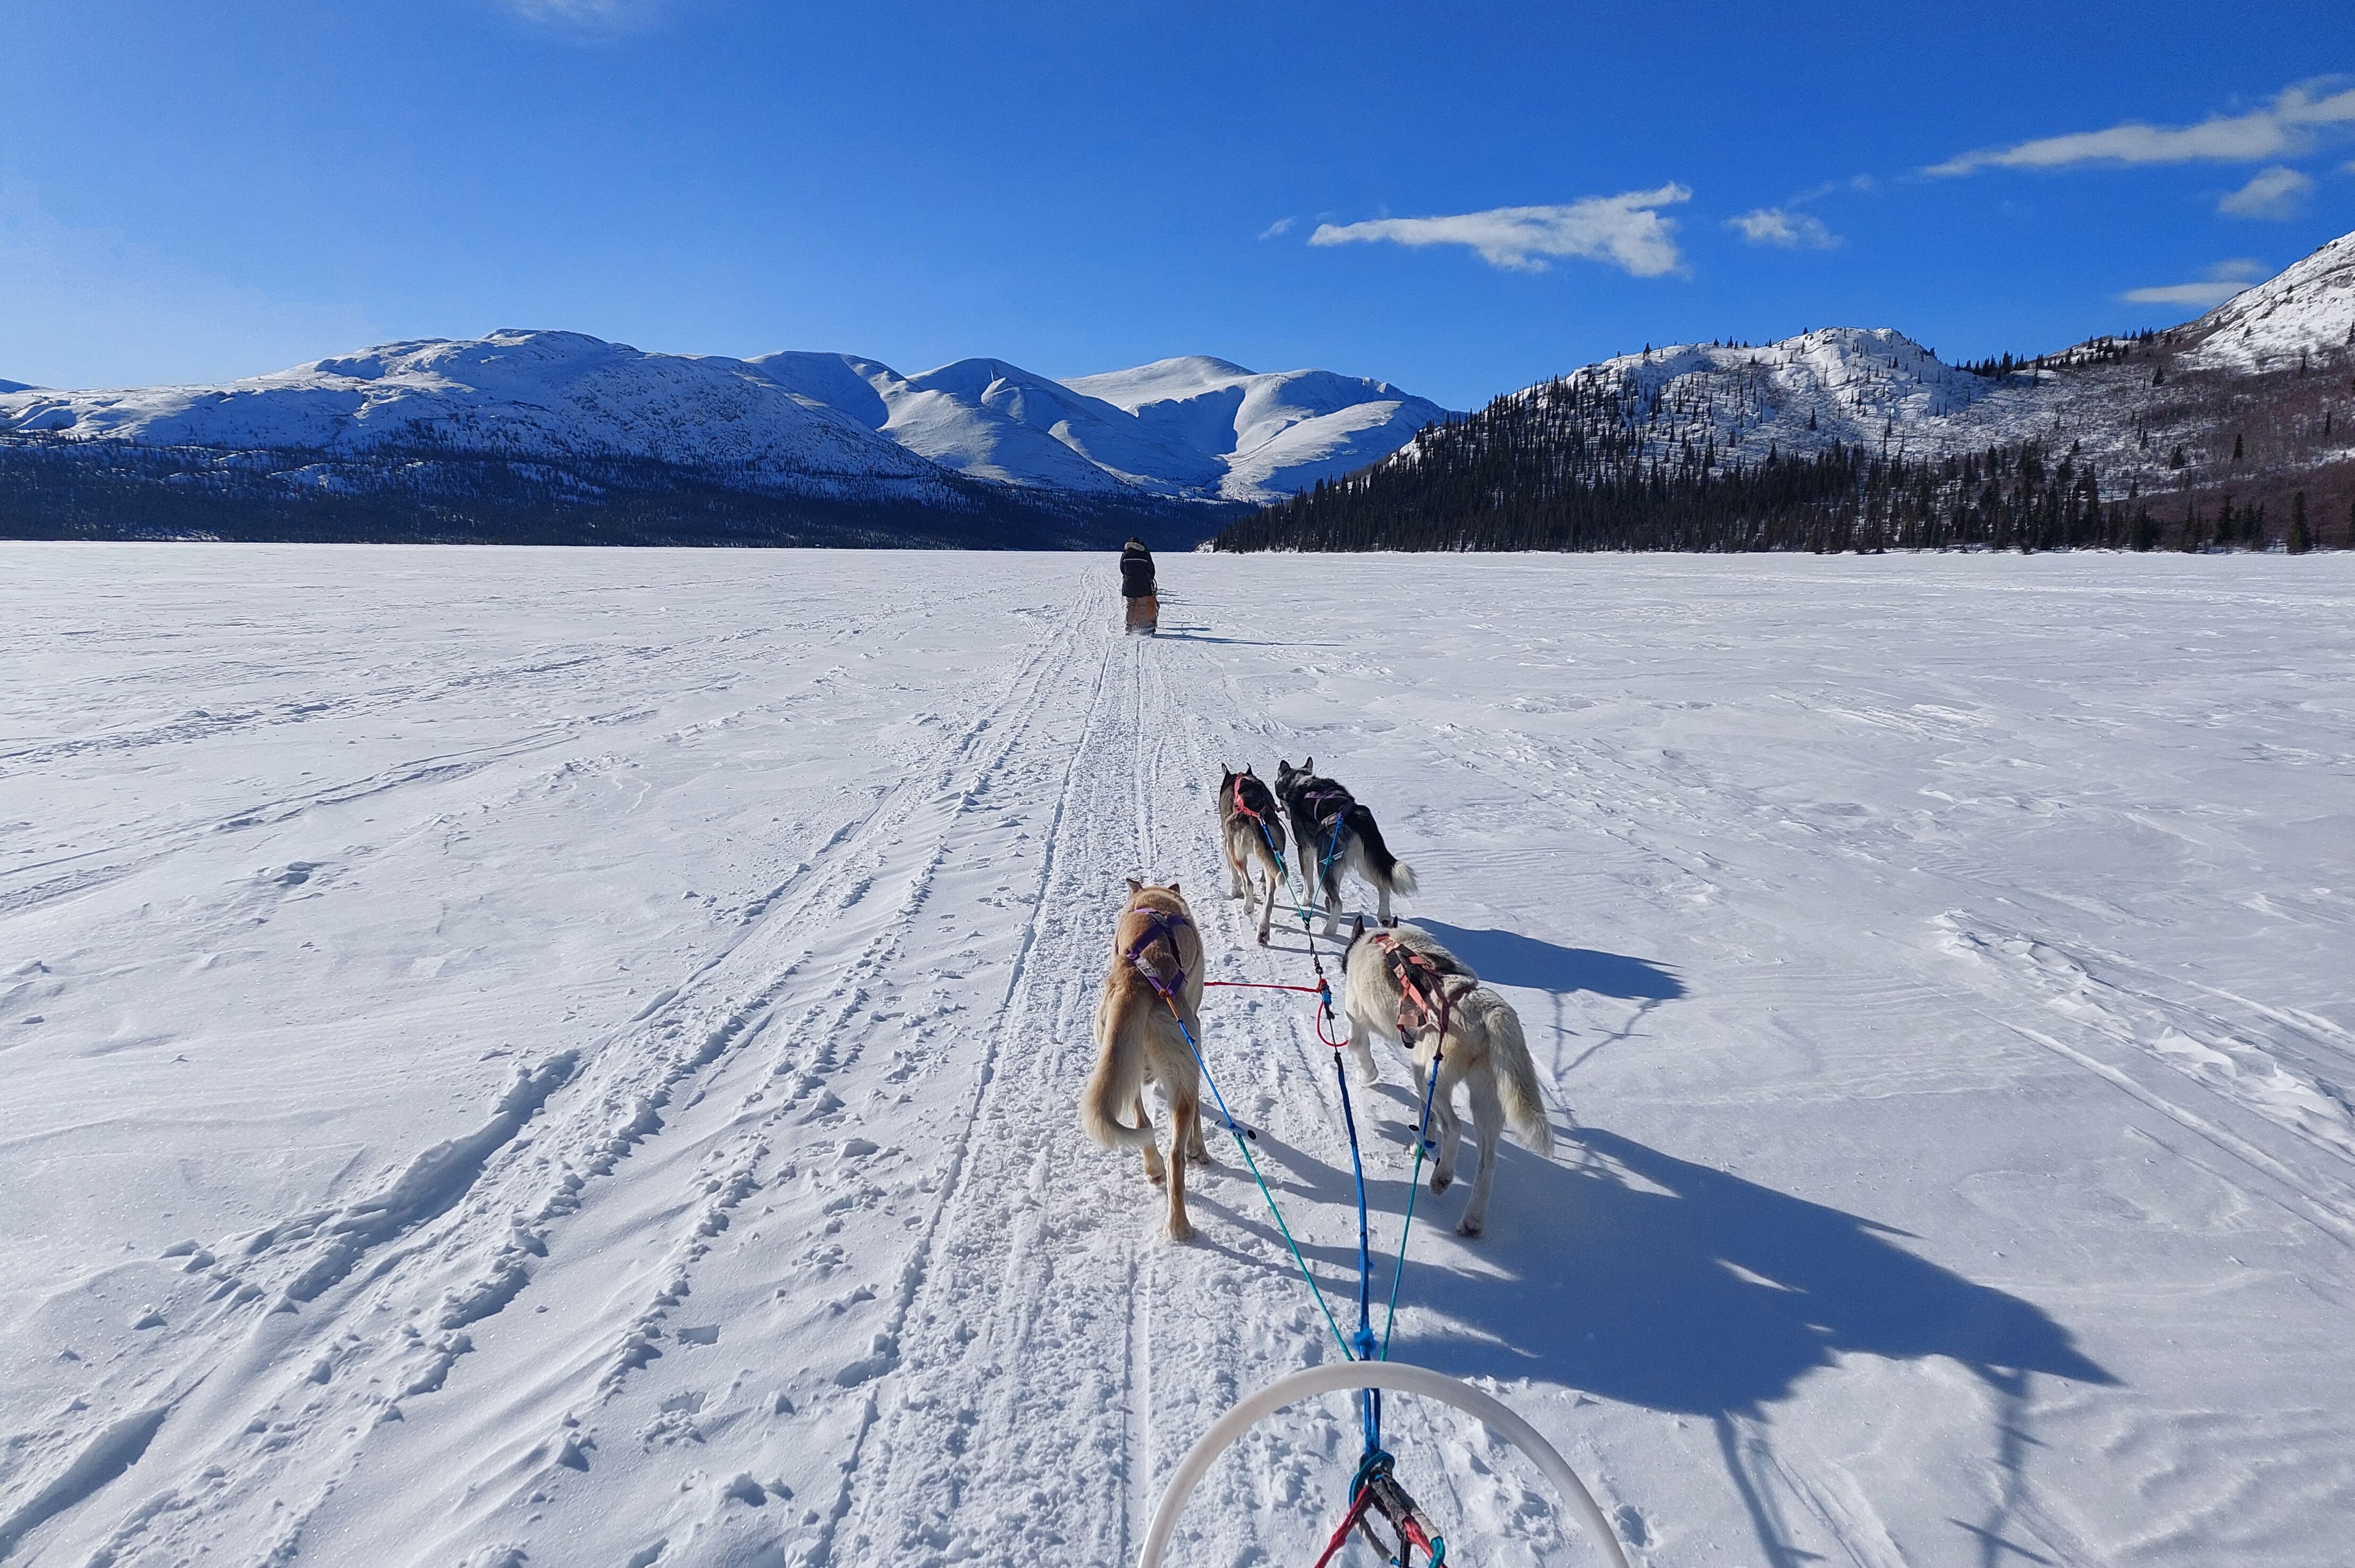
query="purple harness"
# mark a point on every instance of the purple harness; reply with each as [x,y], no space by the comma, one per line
[1321,799]
[1160,928]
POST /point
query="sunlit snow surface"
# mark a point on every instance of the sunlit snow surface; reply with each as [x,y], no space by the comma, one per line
[552,1058]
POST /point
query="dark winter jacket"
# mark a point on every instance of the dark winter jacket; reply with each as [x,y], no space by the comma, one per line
[1135,573]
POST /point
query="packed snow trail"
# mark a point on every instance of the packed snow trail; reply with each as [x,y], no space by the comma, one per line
[562,1056]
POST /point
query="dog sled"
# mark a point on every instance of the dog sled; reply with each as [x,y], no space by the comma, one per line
[1379,1506]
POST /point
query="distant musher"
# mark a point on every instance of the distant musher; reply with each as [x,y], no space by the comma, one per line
[1137,587]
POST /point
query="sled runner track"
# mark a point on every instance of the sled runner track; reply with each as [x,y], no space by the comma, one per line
[1052,1309]
[934,1319]
[465,1222]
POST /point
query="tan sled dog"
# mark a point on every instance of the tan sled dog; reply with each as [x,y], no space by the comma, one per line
[1407,988]
[1250,830]
[1156,964]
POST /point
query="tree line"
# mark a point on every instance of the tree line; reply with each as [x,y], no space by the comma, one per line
[1571,465]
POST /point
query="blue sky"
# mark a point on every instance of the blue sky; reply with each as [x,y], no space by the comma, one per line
[1459,198]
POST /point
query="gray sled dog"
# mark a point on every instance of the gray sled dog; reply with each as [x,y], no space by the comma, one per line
[1407,988]
[1156,964]
[1251,833]
[1332,834]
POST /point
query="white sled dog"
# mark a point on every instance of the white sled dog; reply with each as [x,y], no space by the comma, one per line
[1156,965]
[1332,833]
[1250,834]
[1406,987]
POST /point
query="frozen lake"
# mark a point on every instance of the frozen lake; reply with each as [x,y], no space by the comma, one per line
[569,1058]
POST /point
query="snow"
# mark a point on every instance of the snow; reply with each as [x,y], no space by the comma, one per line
[536,393]
[2309,308]
[823,423]
[1877,388]
[1276,433]
[524,1057]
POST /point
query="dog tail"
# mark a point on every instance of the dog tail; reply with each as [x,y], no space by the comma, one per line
[1113,1087]
[1517,1075]
[1393,870]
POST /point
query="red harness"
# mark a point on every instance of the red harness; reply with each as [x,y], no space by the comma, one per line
[1423,987]
[1245,806]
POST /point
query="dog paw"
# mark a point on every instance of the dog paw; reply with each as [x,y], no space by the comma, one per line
[1180,1232]
[1263,939]
[1441,1180]
[1468,1226]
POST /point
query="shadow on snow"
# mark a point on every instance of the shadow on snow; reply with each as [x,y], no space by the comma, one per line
[1509,958]
[1631,1275]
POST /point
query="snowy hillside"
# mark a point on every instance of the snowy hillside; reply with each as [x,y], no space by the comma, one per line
[2305,311]
[525,1058]
[2209,390]
[541,394]
[820,423]
[1275,435]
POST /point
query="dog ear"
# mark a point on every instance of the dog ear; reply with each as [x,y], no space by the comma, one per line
[1173,887]
[1134,887]
[1359,929]
[1307,764]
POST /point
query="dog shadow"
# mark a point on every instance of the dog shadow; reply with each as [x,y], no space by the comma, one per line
[1633,1275]
[1509,958]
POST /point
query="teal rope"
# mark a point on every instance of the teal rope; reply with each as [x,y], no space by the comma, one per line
[1413,1187]
[1284,1230]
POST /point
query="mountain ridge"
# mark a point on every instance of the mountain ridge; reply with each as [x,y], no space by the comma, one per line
[794,422]
[2198,432]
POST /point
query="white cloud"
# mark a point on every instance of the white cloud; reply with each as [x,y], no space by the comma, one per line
[1624,230]
[2283,127]
[2273,193]
[589,15]
[2225,280]
[1780,226]
[1280,226]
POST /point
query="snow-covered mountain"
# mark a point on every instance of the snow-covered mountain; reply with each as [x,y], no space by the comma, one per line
[2309,308]
[825,424]
[2205,403]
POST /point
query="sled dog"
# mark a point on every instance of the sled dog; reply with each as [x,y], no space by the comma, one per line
[1156,965]
[1406,987]
[1252,834]
[1332,833]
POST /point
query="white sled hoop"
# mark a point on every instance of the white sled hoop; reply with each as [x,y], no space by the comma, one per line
[1335,1376]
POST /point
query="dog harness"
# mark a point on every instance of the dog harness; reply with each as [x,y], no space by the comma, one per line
[1244,805]
[1327,802]
[1160,927]
[1424,1000]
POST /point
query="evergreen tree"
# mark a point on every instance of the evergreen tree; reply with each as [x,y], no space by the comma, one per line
[2299,541]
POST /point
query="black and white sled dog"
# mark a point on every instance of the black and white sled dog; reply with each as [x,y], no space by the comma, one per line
[1334,834]
[1251,832]
[1406,987]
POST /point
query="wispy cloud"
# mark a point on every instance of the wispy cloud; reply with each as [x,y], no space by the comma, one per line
[1280,226]
[1625,230]
[2275,192]
[590,16]
[2284,127]
[2225,280]
[1781,226]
